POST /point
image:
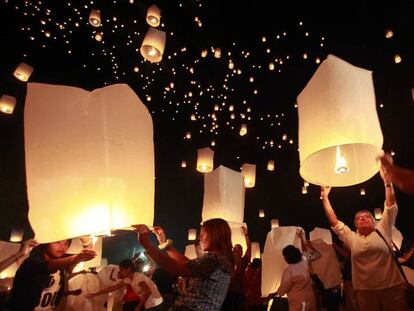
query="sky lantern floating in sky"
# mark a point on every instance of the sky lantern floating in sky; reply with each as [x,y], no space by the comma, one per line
[89,160]
[95,18]
[205,160]
[243,129]
[340,136]
[153,46]
[274,223]
[23,72]
[255,251]
[271,165]
[153,16]
[7,104]
[249,174]
[224,198]
[192,234]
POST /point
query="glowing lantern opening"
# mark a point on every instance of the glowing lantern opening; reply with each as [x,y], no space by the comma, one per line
[205,160]
[153,16]
[95,18]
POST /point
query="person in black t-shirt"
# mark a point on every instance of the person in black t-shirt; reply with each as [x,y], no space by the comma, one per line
[38,284]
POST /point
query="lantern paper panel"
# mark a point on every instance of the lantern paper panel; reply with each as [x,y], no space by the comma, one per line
[89,160]
[327,267]
[190,252]
[192,234]
[205,160]
[7,250]
[340,136]
[23,72]
[153,46]
[272,258]
[321,233]
[223,196]
[249,174]
[255,250]
[7,104]
[153,16]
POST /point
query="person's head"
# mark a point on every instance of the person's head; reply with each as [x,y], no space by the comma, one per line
[364,222]
[126,268]
[52,250]
[215,236]
[256,263]
[237,252]
[292,254]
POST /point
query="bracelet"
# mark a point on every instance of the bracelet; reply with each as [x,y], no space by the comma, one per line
[388,185]
[165,244]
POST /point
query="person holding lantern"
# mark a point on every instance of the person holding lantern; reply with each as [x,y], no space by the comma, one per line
[39,281]
[208,276]
[375,276]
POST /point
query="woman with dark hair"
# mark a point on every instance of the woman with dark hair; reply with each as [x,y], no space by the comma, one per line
[208,276]
[296,281]
[38,284]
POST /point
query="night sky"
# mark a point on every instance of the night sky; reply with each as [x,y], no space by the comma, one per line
[289,37]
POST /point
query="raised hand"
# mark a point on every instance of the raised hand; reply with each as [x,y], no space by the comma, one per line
[27,247]
[85,255]
[325,191]
[160,234]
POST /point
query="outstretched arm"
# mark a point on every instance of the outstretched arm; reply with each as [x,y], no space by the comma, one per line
[403,178]
[329,211]
[171,251]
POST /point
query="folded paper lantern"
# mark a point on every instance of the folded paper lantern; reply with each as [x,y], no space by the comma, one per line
[192,234]
[340,136]
[224,196]
[23,72]
[95,18]
[322,234]
[255,250]
[272,258]
[153,16]
[153,45]
[7,104]
[205,160]
[89,160]
[249,174]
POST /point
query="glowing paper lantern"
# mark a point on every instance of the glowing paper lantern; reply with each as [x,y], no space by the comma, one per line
[271,165]
[192,234]
[153,45]
[99,36]
[261,213]
[95,18]
[217,52]
[272,259]
[190,251]
[7,104]
[249,174]
[255,250]
[274,223]
[389,34]
[362,191]
[304,190]
[183,164]
[243,130]
[23,72]
[153,16]
[205,160]
[378,213]
[91,155]
[397,59]
[321,234]
[340,136]
[16,235]
[223,196]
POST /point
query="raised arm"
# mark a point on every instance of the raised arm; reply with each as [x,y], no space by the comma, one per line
[248,254]
[329,212]
[69,262]
[25,249]
[403,178]
[169,264]
[171,251]
[107,290]
[389,189]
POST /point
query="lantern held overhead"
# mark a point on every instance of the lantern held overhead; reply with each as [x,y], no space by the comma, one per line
[340,136]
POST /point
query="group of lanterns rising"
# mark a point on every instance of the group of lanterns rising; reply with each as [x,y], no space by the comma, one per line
[153,45]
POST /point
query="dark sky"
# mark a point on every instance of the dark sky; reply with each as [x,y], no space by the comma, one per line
[352,30]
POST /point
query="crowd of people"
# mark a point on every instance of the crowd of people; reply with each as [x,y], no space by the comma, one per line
[223,276]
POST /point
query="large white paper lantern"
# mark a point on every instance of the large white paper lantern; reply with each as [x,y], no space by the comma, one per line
[153,45]
[23,72]
[153,16]
[95,18]
[192,234]
[273,262]
[340,136]
[321,234]
[249,174]
[255,250]
[224,196]
[205,160]
[7,104]
[89,160]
